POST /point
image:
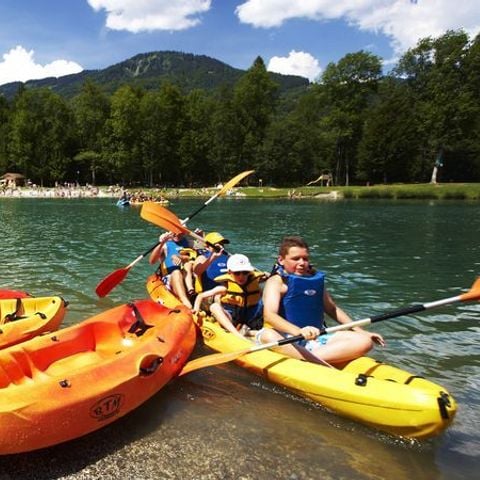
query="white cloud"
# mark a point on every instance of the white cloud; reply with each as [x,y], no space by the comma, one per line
[297,63]
[146,15]
[403,21]
[19,65]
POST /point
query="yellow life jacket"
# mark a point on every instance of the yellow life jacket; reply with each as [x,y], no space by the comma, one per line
[247,295]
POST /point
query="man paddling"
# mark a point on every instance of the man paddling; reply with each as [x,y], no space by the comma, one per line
[295,300]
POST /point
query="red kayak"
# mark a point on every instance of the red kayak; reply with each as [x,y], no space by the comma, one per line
[6,293]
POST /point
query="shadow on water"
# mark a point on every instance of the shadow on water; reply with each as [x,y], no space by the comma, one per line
[223,423]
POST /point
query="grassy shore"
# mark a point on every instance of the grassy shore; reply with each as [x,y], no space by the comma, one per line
[456,191]
[447,191]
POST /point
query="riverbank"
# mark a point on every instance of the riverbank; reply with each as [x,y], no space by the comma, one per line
[456,191]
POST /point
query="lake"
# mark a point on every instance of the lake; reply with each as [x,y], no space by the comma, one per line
[224,422]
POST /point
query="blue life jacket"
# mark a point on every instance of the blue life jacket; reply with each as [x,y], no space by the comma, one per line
[215,269]
[172,248]
[302,305]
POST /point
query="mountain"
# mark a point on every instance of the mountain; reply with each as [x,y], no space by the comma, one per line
[148,70]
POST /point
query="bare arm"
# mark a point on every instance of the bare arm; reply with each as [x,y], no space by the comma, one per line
[202,263]
[204,295]
[158,253]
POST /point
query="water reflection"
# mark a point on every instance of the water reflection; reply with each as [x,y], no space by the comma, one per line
[224,423]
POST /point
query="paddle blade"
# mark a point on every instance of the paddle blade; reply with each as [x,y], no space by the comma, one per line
[231,183]
[111,281]
[473,293]
[162,217]
[212,360]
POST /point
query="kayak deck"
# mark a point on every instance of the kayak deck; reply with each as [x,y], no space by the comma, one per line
[25,318]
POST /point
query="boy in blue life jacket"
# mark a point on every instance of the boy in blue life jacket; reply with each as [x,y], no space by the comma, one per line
[294,302]
[238,297]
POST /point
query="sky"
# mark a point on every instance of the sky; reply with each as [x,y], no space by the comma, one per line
[43,38]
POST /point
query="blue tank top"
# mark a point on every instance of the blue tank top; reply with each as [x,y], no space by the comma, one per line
[173,248]
[302,305]
[215,269]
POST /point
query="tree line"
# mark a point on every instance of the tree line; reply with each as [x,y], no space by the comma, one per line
[359,125]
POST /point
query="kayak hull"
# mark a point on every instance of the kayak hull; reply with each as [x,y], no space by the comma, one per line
[378,395]
[59,387]
[24,318]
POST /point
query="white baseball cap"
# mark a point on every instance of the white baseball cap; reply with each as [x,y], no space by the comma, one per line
[239,263]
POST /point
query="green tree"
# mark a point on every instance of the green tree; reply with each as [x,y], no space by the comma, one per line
[196,143]
[255,95]
[348,88]
[4,127]
[121,147]
[91,109]
[41,135]
[227,136]
[162,126]
[435,72]
[390,137]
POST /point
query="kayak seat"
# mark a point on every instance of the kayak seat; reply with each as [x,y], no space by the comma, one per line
[108,338]
[63,345]
[16,368]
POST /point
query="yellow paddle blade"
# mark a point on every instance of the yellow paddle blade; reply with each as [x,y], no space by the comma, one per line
[162,217]
[231,183]
[212,360]
[473,293]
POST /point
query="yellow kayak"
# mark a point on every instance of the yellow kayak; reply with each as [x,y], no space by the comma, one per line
[25,318]
[373,393]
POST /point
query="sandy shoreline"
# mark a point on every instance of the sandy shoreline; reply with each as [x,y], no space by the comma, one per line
[70,191]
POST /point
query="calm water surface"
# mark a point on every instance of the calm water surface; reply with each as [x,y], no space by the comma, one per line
[223,422]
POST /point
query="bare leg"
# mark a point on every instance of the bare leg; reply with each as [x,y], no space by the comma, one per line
[340,348]
[223,318]
[178,287]
[188,276]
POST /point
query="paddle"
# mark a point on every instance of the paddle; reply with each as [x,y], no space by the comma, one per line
[117,276]
[219,358]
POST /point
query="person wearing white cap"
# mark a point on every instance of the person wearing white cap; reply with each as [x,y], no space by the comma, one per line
[239,296]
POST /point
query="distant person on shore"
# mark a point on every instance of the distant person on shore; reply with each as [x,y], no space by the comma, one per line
[295,299]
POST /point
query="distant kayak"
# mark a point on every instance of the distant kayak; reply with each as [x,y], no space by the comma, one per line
[61,386]
[23,318]
[123,203]
[141,202]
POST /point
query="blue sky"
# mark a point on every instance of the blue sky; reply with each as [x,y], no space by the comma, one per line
[40,38]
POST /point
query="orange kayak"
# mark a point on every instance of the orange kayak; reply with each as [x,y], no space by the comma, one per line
[25,318]
[61,386]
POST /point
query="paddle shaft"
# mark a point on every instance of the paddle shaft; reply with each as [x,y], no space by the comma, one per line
[220,358]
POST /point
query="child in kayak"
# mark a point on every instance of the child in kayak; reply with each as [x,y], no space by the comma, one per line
[173,253]
[238,305]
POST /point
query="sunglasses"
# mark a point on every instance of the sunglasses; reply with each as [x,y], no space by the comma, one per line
[241,273]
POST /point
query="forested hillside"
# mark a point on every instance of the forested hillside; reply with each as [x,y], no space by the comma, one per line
[149,70]
[358,124]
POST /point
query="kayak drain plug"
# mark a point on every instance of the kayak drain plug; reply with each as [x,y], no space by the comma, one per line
[361,380]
